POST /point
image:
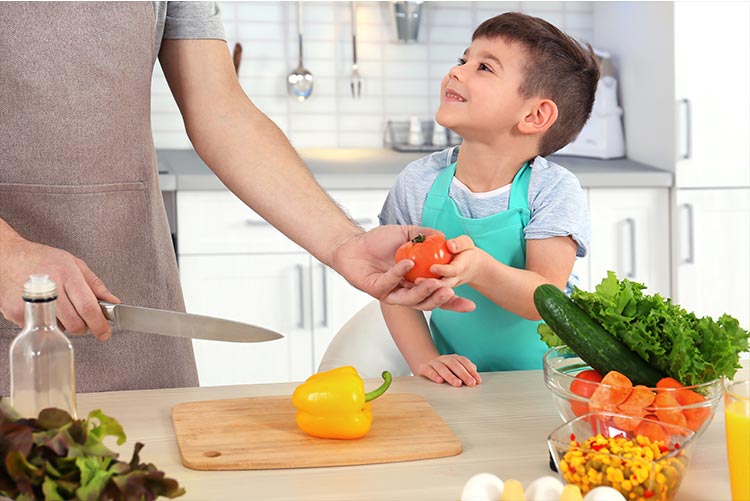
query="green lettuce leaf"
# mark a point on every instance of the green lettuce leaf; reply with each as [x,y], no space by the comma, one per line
[548,336]
[57,457]
[690,349]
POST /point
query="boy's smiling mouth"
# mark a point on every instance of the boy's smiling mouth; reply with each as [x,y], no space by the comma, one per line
[452,95]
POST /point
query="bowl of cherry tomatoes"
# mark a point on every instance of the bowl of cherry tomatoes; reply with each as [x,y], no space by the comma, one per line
[578,389]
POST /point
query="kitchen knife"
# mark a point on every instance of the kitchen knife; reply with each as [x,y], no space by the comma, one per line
[173,323]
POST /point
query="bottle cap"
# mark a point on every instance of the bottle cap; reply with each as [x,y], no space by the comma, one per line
[39,287]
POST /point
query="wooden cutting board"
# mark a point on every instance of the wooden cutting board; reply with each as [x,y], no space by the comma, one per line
[261,433]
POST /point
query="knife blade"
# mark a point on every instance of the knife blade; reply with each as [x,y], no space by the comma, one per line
[187,325]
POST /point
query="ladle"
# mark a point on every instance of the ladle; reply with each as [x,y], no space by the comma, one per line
[300,81]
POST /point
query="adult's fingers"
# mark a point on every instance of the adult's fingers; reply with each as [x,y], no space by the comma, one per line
[446,299]
[69,319]
[95,283]
[414,296]
[392,279]
[87,307]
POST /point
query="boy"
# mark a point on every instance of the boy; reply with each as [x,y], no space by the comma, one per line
[514,220]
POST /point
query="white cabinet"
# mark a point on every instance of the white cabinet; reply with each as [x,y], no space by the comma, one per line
[235,265]
[271,290]
[683,83]
[712,226]
[713,255]
[684,87]
[712,87]
[630,236]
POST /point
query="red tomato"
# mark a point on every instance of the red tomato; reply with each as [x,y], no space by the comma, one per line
[424,251]
[584,385]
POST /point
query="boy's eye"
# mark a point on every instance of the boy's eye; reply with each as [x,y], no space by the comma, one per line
[484,67]
[461,61]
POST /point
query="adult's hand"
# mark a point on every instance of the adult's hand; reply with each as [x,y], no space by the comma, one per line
[78,288]
[367,262]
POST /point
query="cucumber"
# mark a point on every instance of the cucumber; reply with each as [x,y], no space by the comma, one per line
[589,340]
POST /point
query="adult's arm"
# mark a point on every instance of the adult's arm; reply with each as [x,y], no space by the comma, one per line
[254,159]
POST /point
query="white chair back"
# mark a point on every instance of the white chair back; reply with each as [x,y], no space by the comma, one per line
[365,343]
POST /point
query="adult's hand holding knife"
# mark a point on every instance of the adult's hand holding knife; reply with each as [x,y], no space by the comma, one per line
[186,325]
[78,288]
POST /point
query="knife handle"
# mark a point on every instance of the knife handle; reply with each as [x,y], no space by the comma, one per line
[108,309]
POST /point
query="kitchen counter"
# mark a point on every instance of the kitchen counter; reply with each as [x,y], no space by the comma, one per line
[503,424]
[377,168]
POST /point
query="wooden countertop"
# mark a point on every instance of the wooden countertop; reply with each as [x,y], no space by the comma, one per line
[503,425]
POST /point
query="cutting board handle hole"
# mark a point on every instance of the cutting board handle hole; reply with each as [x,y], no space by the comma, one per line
[212,454]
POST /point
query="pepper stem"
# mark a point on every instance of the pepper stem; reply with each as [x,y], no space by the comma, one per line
[381,389]
[418,239]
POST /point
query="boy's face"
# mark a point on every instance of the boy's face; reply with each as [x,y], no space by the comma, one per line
[479,97]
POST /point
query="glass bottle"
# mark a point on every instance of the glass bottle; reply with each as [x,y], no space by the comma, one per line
[42,373]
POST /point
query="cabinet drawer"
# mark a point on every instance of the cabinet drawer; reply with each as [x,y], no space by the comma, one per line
[217,222]
[363,206]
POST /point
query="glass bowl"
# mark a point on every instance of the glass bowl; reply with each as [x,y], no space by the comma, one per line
[561,367]
[597,449]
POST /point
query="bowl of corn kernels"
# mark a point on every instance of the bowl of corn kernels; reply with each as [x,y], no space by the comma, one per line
[603,449]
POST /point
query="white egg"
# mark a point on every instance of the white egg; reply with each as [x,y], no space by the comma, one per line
[604,494]
[482,487]
[544,489]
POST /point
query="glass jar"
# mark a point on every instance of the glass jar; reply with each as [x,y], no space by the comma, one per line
[42,371]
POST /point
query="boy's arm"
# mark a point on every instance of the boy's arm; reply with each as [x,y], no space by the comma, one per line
[548,261]
[412,336]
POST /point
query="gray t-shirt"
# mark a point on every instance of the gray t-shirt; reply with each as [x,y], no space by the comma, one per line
[556,200]
[187,20]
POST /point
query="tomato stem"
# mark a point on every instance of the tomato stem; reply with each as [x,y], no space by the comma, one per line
[418,239]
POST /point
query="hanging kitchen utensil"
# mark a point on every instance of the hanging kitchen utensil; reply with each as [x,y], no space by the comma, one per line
[356,79]
[300,81]
[237,57]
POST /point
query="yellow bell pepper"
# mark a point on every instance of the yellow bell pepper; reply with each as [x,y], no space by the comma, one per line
[333,404]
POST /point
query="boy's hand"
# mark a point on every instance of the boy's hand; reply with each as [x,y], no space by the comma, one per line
[456,370]
[467,263]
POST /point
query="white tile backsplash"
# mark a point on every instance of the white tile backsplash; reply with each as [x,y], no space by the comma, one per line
[399,80]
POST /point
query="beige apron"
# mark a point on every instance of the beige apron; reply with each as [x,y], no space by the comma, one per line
[78,172]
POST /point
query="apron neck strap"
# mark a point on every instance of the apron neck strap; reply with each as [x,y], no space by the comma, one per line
[519,190]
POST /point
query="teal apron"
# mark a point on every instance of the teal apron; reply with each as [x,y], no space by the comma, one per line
[490,336]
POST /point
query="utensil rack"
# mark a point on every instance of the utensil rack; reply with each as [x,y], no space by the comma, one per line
[397,134]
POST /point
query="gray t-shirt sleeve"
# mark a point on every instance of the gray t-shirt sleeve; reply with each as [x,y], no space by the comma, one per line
[193,20]
[558,206]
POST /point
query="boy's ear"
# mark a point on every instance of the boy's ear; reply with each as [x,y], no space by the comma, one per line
[540,117]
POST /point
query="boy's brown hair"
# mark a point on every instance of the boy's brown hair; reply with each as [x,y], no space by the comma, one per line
[559,69]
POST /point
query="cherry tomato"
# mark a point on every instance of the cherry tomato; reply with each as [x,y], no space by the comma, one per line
[584,384]
[424,251]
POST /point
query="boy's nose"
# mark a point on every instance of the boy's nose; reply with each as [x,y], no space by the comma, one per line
[455,72]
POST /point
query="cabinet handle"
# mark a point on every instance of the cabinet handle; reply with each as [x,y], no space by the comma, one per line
[300,278]
[324,283]
[688,129]
[690,259]
[631,224]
